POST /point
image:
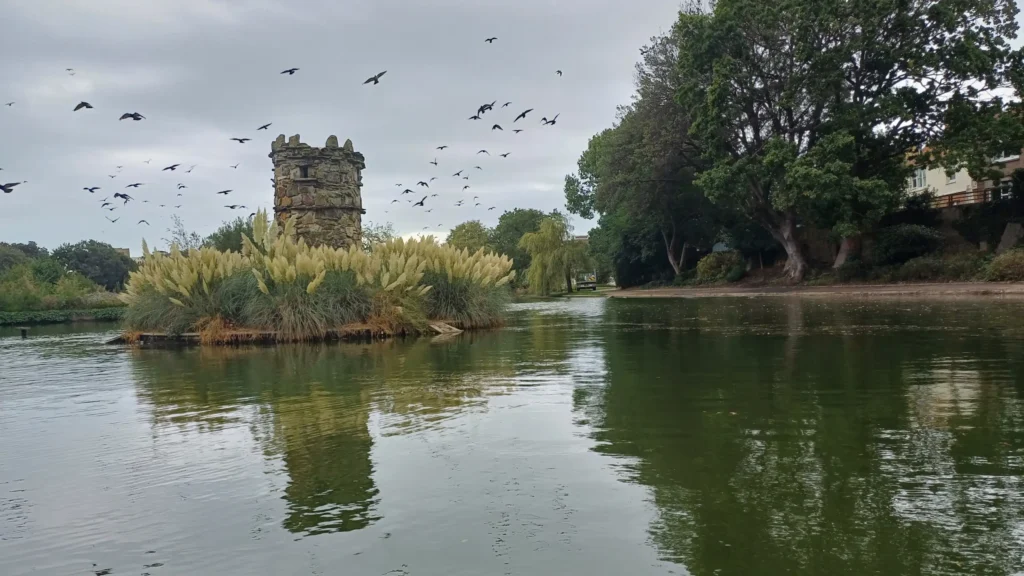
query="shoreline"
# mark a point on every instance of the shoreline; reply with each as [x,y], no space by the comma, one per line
[944,290]
[39,317]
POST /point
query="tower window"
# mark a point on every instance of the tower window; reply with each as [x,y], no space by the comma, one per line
[303,171]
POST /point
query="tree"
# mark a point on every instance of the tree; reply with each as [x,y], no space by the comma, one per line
[505,237]
[470,235]
[643,168]
[11,257]
[229,235]
[181,237]
[555,255]
[30,249]
[374,234]
[97,261]
[816,110]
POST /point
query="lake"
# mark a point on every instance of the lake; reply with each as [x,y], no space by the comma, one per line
[591,436]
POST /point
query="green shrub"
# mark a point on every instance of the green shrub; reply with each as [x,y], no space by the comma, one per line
[736,273]
[897,244]
[1007,267]
[465,304]
[61,316]
[943,268]
[716,266]
[853,269]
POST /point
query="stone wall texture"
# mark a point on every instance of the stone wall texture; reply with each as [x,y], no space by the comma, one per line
[321,188]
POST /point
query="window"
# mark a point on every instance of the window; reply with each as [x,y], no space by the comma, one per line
[1006,157]
[918,180]
[303,171]
[1003,190]
[951,179]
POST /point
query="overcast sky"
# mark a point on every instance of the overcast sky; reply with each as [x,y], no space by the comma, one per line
[204,71]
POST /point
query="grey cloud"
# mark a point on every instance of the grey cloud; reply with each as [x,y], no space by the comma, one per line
[203,71]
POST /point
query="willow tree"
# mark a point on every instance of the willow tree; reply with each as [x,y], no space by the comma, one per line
[815,110]
[554,255]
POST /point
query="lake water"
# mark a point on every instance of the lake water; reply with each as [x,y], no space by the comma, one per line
[593,437]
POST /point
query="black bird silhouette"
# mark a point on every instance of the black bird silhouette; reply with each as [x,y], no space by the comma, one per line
[422,183]
[552,121]
[133,115]
[180,186]
[491,39]
[111,175]
[465,177]
[478,168]
[474,117]
[393,201]
[143,222]
[234,206]
[484,152]
[476,197]
[497,127]
[241,140]
[505,155]
[91,190]
[429,211]
[559,72]
[433,195]
[191,168]
[105,204]
[135,185]
[124,197]
[179,205]
[465,187]
[290,71]
[517,131]
[236,166]
[9,104]
[119,168]
[224,192]
[147,161]
[179,195]
[459,203]
[82,104]
[420,203]
[434,162]
[172,168]
[375,79]
[442,147]
[523,114]
[432,178]
[459,173]
[163,205]
[481,110]
[111,209]
[399,185]
[265,126]
[505,105]
[114,220]
[477,204]
[491,208]
[407,191]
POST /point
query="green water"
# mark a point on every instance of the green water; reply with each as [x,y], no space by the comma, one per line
[707,437]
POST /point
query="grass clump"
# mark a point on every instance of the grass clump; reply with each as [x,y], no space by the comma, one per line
[719,266]
[1007,267]
[279,284]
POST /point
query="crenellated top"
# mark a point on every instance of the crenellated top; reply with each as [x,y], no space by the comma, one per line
[294,147]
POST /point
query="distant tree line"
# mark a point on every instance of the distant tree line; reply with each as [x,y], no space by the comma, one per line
[752,120]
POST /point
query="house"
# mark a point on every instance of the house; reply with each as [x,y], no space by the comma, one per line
[959,189]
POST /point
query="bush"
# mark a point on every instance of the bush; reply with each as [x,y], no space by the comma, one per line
[736,274]
[21,290]
[1007,267]
[97,261]
[61,316]
[947,268]
[853,269]
[897,244]
[716,266]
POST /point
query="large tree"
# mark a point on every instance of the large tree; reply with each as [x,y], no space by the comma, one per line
[471,235]
[816,110]
[505,237]
[643,169]
[554,255]
[229,235]
[97,261]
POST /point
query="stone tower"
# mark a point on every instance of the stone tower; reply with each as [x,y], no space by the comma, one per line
[321,188]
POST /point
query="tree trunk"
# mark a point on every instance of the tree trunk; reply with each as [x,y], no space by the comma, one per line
[783,229]
[568,282]
[849,247]
[671,244]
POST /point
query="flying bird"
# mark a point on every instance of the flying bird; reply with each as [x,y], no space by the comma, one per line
[133,115]
[265,126]
[135,185]
[91,190]
[241,140]
[559,72]
[459,173]
[234,206]
[432,178]
[474,117]
[147,161]
[407,191]
[399,185]
[505,155]
[82,104]
[465,187]
[179,205]
[422,183]
[9,187]
[484,152]
[517,131]
[476,197]
[111,175]
[433,195]
[191,168]
[9,104]
[70,71]
[429,211]
[477,204]
[478,168]
[434,162]
[236,166]
[491,39]
[465,177]
[180,186]
[552,121]
[459,203]
[290,71]
[505,105]
[491,208]
[114,220]
[442,147]
[124,197]
[224,192]
[143,222]
[179,195]
[394,201]
[105,204]
[523,114]
[172,168]
[482,109]
[497,127]
[375,79]
[420,203]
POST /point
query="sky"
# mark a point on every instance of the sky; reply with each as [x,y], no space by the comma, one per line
[205,71]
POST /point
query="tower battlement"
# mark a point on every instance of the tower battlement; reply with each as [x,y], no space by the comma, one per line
[321,187]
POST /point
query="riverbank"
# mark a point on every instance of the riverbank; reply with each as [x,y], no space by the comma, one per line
[113,314]
[952,289]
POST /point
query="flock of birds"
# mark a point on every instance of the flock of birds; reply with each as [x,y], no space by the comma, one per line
[109,203]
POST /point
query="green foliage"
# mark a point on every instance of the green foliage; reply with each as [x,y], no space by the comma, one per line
[505,237]
[11,257]
[717,266]
[229,235]
[897,244]
[471,235]
[1007,267]
[110,314]
[554,256]
[957,267]
[465,304]
[22,290]
[97,261]
[374,234]
[181,237]
[853,269]
[47,269]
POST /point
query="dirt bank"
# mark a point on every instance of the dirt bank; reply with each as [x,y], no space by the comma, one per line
[958,289]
